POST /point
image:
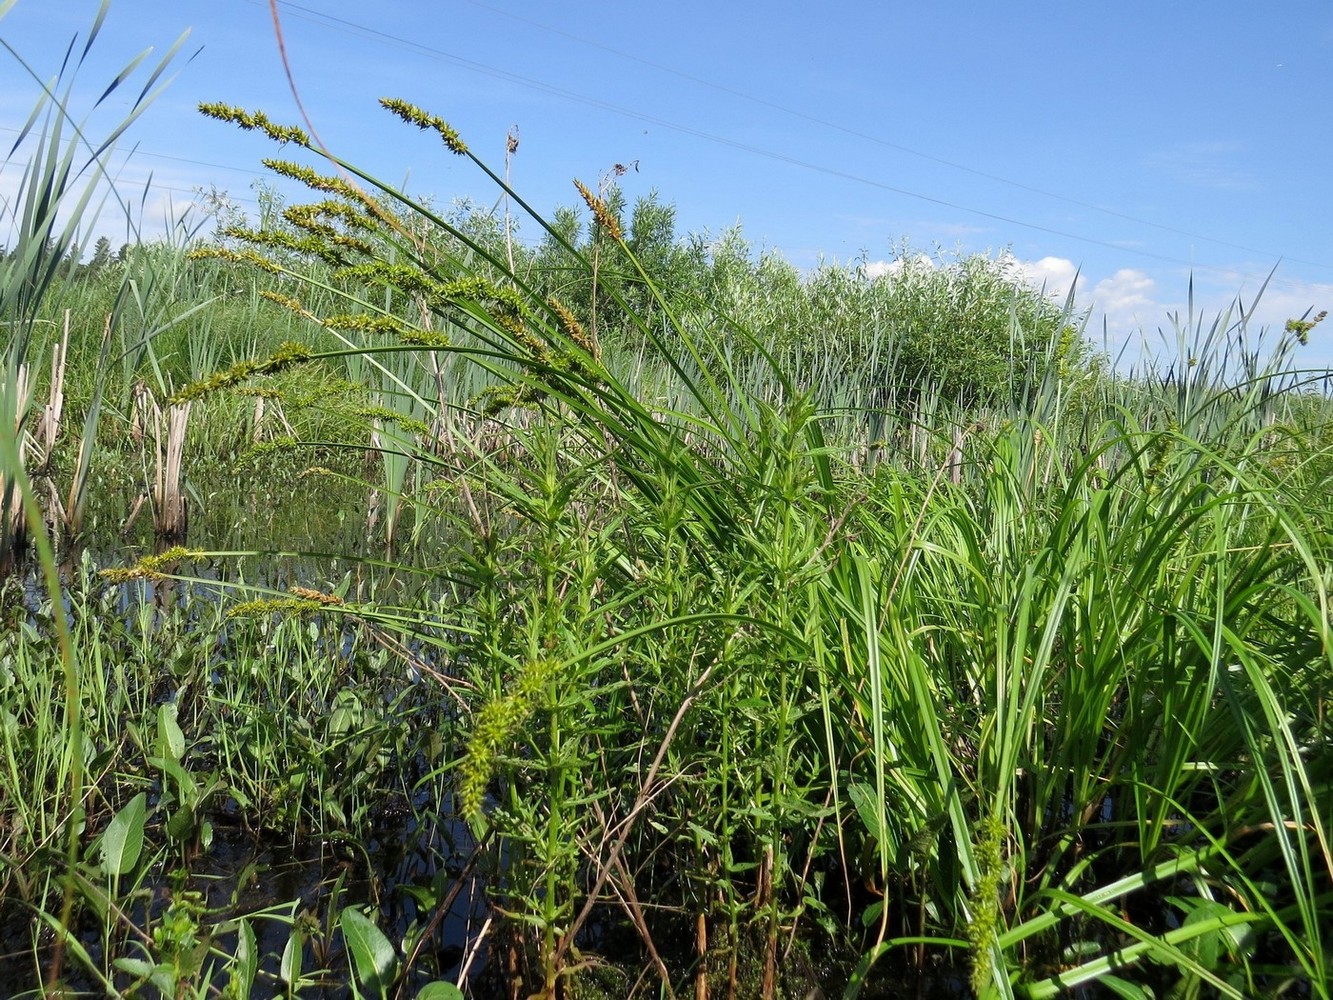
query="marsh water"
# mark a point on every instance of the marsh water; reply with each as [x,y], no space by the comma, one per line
[407,859]
[412,863]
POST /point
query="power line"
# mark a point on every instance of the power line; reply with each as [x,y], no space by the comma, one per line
[395,41]
[137,152]
[384,38]
[866,136]
[783,109]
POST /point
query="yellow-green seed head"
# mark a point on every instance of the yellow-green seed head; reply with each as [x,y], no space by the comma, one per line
[256,120]
[609,223]
[414,115]
[151,567]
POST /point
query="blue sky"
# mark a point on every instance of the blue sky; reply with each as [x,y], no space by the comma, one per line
[1136,144]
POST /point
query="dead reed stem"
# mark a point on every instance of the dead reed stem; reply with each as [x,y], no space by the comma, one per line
[13,525]
[171,500]
[170,515]
[48,426]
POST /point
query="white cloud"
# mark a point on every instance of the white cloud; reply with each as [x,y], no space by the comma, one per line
[1126,294]
[1131,312]
[1123,308]
[1054,276]
[873,269]
[1278,306]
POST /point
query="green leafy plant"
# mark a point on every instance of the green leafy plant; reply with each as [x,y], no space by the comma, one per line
[698,629]
[723,612]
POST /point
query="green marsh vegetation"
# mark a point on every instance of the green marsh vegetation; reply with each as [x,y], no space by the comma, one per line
[708,615]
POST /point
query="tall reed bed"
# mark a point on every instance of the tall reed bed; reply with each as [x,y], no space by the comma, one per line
[1042,698]
[124,743]
[54,201]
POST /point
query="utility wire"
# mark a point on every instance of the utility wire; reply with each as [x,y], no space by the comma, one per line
[137,152]
[343,24]
[868,137]
[330,19]
[385,38]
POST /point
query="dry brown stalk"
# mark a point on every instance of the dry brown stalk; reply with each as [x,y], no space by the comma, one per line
[647,792]
[13,526]
[48,426]
[170,515]
[701,947]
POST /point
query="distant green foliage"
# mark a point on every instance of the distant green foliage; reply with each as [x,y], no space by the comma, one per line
[966,328]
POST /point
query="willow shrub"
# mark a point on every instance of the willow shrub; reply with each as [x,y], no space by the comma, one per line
[1054,708]
[966,327]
